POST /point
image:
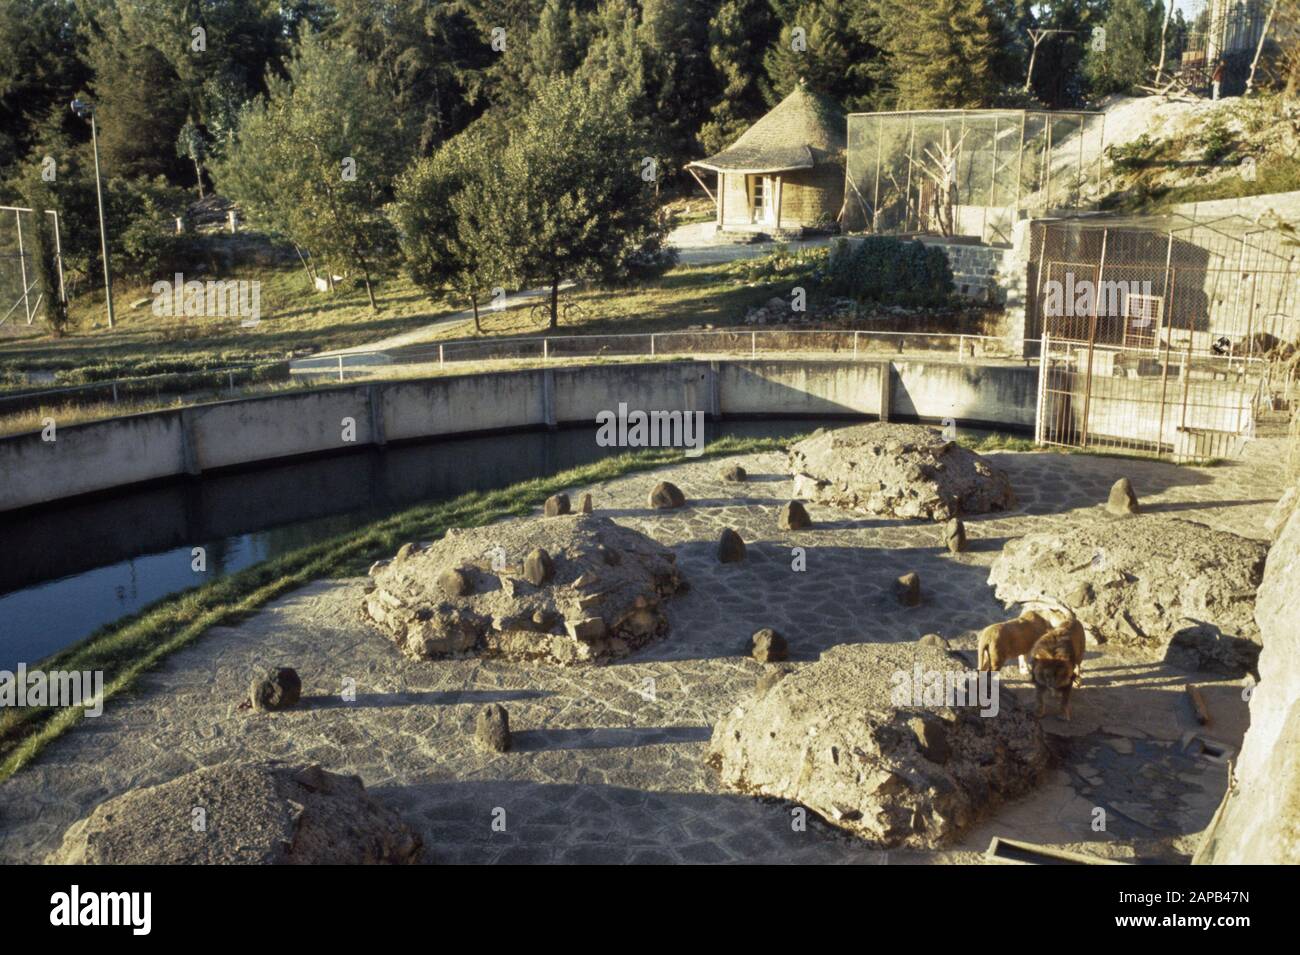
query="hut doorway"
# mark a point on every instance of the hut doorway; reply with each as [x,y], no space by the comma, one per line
[762,199]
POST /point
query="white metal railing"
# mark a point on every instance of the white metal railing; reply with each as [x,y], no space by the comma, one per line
[749,343]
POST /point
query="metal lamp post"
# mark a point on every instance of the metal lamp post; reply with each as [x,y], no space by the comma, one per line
[86,110]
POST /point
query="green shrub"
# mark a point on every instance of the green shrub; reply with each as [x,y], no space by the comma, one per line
[1133,155]
[1217,140]
[884,269]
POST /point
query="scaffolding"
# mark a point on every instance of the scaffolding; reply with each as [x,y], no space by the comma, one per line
[968,173]
[1197,36]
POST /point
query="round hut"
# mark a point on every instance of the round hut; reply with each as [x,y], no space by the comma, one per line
[786,173]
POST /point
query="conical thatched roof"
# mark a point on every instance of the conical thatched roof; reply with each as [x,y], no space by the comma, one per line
[804,130]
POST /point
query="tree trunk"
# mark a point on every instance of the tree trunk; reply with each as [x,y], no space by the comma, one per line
[1029,74]
[198,175]
[370,292]
[473,301]
[555,303]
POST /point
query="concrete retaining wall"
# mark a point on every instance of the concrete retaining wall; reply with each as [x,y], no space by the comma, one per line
[100,455]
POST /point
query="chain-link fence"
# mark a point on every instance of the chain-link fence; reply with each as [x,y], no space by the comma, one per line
[968,172]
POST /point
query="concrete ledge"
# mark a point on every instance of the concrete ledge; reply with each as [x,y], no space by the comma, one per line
[116,452]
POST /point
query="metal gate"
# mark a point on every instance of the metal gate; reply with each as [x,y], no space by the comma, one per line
[21,297]
[1160,401]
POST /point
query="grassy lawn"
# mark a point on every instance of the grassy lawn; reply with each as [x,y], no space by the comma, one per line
[295,317]
[130,647]
[718,295]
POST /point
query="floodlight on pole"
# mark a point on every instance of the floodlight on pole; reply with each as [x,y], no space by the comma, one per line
[86,110]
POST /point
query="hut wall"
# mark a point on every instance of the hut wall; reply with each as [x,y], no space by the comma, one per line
[811,195]
[735,201]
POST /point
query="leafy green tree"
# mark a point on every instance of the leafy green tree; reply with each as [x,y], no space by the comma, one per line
[425,57]
[441,225]
[315,159]
[567,197]
[40,70]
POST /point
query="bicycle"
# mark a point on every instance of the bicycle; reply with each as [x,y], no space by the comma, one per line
[568,311]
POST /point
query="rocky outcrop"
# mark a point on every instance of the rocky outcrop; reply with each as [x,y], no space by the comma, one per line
[242,814]
[1260,822]
[902,470]
[866,739]
[572,588]
[1146,582]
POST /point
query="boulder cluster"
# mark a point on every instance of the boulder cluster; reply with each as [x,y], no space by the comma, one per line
[899,470]
[867,738]
[1147,582]
[572,588]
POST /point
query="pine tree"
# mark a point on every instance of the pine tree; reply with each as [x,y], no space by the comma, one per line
[944,59]
[1132,46]
[738,33]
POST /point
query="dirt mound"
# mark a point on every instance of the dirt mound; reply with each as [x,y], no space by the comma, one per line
[903,470]
[569,589]
[242,814]
[865,739]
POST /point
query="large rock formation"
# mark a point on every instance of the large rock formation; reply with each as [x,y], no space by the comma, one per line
[242,814]
[860,739]
[568,589]
[1260,823]
[903,470]
[1146,582]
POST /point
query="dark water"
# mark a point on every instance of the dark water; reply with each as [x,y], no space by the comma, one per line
[68,569]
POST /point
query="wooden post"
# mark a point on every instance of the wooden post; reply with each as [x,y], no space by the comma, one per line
[58,257]
[777,181]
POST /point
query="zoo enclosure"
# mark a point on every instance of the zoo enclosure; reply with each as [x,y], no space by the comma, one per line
[1158,336]
[968,173]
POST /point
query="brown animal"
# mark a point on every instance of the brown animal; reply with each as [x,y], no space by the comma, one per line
[1056,658]
[1067,619]
[1000,642]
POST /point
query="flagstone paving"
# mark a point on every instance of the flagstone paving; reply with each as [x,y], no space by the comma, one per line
[607,763]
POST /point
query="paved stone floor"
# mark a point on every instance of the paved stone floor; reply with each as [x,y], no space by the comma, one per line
[607,764]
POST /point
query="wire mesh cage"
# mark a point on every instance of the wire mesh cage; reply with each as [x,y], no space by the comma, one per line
[970,173]
[1226,285]
[1158,333]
